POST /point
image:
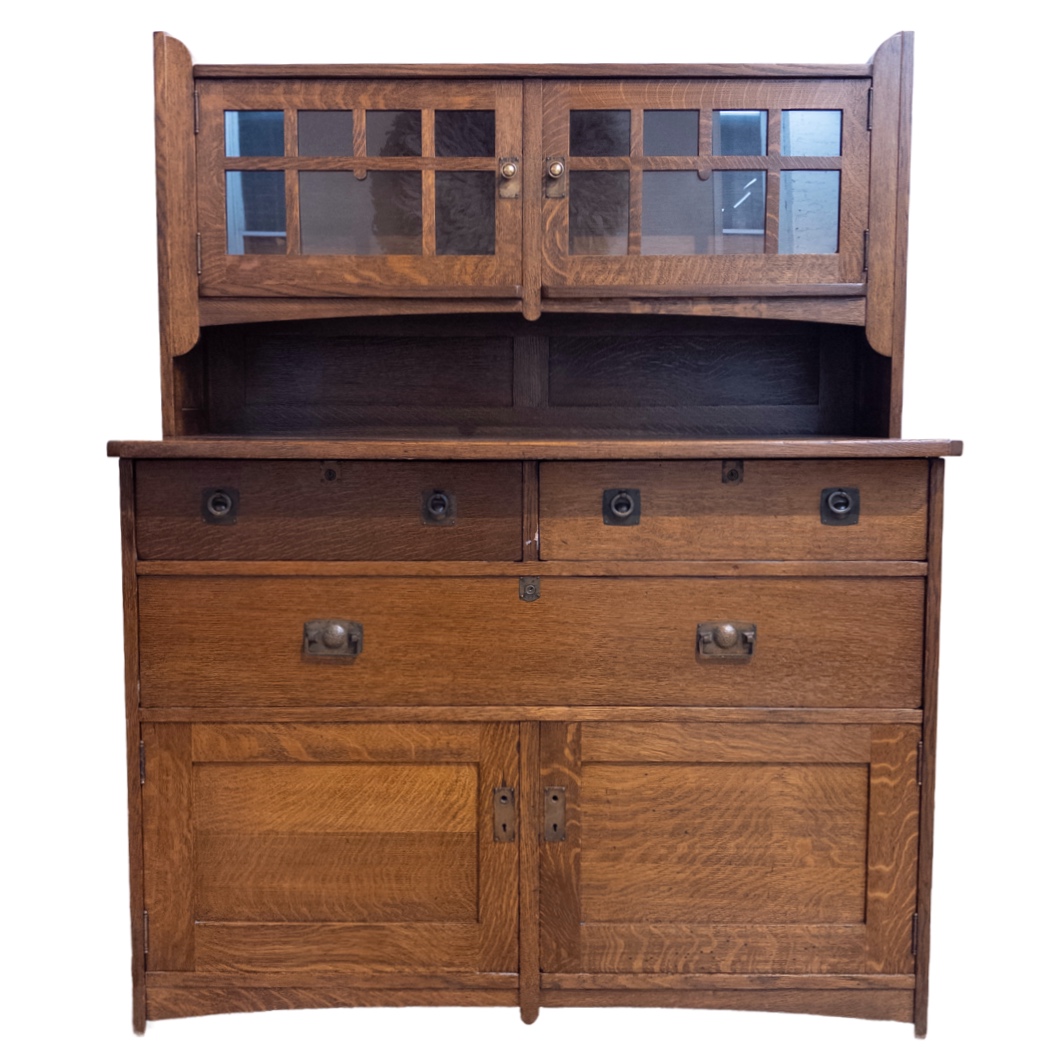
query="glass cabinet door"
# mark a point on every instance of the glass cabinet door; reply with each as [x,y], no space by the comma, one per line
[705,187]
[345,187]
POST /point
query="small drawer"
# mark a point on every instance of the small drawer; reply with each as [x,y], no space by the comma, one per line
[328,511]
[733,511]
[243,641]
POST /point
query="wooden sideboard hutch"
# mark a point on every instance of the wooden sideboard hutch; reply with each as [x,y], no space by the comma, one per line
[531,601]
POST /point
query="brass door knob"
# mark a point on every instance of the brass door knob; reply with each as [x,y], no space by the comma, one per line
[509,169]
[726,640]
[556,169]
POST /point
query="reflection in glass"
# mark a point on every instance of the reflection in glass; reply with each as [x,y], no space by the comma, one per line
[326,133]
[670,133]
[676,213]
[254,212]
[739,132]
[598,212]
[808,212]
[340,215]
[812,132]
[599,132]
[465,133]
[257,133]
[738,211]
[465,213]
[390,133]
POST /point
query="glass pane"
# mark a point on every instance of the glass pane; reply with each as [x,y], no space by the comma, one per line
[676,214]
[257,133]
[465,133]
[340,215]
[465,213]
[598,212]
[599,132]
[738,201]
[670,132]
[812,132]
[326,133]
[808,212]
[739,132]
[255,213]
[390,133]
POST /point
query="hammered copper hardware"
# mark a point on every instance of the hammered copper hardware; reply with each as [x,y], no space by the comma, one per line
[557,185]
[439,507]
[504,806]
[839,505]
[332,638]
[554,814]
[528,588]
[509,185]
[727,639]
[621,505]
[220,505]
[733,472]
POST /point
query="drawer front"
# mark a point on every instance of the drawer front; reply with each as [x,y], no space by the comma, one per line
[328,511]
[690,510]
[225,641]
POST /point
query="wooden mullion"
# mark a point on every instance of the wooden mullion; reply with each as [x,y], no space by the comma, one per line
[634,222]
[429,165]
[772,196]
[293,244]
[358,133]
[529,841]
[532,178]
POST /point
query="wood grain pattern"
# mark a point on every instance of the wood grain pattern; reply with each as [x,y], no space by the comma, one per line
[689,511]
[532,192]
[559,898]
[347,510]
[711,981]
[130,630]
[530,840]
[865,650]
[536,447]
[181,1003]
[346,980]
[220,311]
[834,310]
[893,848]
[932,639]
[892,1004]
[168,846]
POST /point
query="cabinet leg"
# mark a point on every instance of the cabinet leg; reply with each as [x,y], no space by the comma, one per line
[529,1013]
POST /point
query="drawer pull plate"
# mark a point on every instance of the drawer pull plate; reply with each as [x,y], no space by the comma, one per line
[220,505]
[554,814]
[332,638]
[505,808]
[726,640]
[528,588]
[839,506]
[621,505]
[439,507]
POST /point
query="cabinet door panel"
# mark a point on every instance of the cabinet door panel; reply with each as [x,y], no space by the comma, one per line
[731,849]
[342,847]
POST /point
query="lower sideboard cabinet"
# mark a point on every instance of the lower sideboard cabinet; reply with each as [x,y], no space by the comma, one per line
[638,775]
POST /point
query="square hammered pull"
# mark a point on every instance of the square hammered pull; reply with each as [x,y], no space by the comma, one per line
[731,640]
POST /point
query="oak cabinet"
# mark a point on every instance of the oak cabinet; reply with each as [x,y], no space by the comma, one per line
[532,601]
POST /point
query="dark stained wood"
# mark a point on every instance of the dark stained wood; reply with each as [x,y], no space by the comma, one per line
[892,1004]
[893,848]
[531,512]
[841,642]
[175,191]
[532,193]
[218,311]
[687,510]
[181,1003]
[535,448]
[832,310]
[931,644]
[132,696]
[530,839]
[712,981]
[168,845]
[335,511]
[535,70]
[559,862]
[678,290]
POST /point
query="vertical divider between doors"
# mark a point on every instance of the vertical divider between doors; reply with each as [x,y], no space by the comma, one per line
[529,963]
[532,191]
[559,900]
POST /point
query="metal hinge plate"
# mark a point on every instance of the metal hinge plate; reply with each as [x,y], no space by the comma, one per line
[145,934]
[195,112]
[143,765]
[920,761]
[915,933]
[867,239]
[554,814]
[505,809]
[199,255]
[870,105]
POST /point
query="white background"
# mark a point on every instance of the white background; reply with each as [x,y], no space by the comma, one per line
[81,366]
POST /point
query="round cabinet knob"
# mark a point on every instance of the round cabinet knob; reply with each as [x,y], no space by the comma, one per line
[509,169]
[556,168]
[839,502]
[334,635]
[726,636]
[622,504]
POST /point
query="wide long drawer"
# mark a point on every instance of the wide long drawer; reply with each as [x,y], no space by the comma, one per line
[329,511]
[767,510]
[239,641]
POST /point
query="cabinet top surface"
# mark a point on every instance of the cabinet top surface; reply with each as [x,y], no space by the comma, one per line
[540,449]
